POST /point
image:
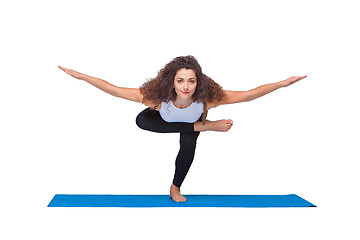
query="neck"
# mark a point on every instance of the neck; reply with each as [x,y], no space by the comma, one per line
[182,103]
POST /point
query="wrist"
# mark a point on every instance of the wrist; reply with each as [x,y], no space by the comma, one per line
[281,84]
[85,77]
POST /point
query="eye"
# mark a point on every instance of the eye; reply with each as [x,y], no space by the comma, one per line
[179,80]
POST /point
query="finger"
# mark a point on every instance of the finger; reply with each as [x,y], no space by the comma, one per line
[300,77]
[297,78]
[64,69]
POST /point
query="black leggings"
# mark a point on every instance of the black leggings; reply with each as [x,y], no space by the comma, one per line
[151,120]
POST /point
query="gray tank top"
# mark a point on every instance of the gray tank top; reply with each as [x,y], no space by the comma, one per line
[191,114]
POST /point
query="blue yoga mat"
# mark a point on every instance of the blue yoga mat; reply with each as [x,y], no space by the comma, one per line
[246,201]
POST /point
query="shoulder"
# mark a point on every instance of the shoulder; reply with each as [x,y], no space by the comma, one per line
[216,102]
[213,104]
[153,105]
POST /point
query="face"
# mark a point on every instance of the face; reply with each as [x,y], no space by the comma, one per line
[185,83]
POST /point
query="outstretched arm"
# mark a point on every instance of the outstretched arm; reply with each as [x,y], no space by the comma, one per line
[245,96]
[132,94]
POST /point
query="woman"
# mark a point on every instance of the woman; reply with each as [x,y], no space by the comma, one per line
[179,98]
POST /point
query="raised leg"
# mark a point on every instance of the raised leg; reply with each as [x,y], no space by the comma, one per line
[151,120]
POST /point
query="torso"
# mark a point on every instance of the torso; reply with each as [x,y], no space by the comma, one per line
[170,113]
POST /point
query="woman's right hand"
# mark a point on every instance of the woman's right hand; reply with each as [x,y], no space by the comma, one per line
[73,73]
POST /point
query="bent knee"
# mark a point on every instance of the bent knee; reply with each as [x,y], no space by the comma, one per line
[141,121]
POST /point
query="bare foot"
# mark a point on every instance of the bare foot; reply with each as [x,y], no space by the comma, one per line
[175,194]
[219,126]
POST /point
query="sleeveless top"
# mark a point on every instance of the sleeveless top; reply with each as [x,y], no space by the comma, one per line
[191,114]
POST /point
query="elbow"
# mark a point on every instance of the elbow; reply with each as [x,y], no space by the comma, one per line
[249,96]
[113,92]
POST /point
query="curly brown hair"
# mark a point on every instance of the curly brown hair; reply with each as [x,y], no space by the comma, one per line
[161,88]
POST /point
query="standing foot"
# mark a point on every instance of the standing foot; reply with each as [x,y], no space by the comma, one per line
[175,194]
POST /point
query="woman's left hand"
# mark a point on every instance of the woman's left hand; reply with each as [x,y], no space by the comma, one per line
[292,80]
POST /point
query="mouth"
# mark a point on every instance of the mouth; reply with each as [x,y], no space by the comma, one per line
[185,92]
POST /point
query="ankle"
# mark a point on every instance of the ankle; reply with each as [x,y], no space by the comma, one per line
[202,127]
[173,187]
[199,127]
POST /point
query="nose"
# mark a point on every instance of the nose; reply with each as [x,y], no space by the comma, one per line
[186,86]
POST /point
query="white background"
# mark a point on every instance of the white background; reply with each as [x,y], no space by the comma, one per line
[62,135]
